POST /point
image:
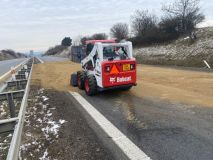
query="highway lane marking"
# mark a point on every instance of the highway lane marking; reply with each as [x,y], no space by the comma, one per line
[40,60]
[124,143]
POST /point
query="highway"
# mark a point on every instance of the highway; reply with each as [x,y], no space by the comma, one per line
[7,64]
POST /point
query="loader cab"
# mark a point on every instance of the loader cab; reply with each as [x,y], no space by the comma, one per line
[90,44]
[115,53]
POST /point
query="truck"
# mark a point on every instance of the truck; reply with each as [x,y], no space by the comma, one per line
[108,65]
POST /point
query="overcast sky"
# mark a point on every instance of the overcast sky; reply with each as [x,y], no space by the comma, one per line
[39,24]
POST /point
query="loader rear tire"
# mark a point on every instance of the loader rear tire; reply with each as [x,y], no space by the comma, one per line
[73,80]
[80,79]
[90,85]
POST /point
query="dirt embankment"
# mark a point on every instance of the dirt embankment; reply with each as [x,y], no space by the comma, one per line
[59,51]
[10,54]
[184,86]
[182,52]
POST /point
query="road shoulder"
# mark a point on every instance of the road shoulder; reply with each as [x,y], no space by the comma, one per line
[55,129]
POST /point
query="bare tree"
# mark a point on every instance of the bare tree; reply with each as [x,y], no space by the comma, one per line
[119,31]
[143,23]
[187,12]
[169,24]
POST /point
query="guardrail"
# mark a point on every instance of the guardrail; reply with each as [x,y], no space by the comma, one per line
[14,123]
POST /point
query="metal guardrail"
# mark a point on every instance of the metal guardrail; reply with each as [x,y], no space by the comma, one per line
[16,140]
[16,123]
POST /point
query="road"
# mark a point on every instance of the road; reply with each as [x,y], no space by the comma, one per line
[7,64]
[168,115]
[161,129]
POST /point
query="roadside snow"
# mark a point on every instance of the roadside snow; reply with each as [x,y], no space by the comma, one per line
[5,140]
[42,127]
[181,48]
[61,121]
[3,110]
[45,156]
[45,98]
[186,38]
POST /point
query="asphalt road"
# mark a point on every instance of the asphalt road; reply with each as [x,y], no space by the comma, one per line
[52,59]
[163,130]
[7,64]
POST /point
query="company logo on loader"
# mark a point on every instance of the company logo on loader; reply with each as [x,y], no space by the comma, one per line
[124,79]
[112,79]
[120,79]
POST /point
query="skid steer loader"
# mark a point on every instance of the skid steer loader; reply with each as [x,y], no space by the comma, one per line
[108,65]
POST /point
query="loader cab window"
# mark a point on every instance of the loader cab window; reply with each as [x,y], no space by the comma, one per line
[89,48]
[115,53]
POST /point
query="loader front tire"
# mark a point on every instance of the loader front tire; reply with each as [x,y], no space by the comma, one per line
[80,79]
[90,85]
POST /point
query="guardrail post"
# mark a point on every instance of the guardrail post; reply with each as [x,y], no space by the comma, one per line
[11,105]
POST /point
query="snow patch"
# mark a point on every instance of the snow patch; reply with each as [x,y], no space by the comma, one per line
[186,38]
[45,156]
[45,98]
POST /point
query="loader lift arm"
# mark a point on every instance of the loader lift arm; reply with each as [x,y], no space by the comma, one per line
[90,57]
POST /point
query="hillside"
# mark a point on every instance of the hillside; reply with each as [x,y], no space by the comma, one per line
[10,54]
[183,52]
[58,50]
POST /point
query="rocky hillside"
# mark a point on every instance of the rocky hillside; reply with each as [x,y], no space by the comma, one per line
[183,52]
[59,50]
[10,54]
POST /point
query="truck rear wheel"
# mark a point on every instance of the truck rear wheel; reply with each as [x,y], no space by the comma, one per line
[80,79]
[90,85]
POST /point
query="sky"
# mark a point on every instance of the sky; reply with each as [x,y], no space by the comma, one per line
[39,24]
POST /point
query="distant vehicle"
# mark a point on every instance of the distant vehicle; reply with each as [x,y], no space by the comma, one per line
[107,65]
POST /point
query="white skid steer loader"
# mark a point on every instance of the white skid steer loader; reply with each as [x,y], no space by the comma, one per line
[108,65]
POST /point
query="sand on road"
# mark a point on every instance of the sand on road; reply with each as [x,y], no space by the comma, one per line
[182,86]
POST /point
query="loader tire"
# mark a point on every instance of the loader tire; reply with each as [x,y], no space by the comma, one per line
[80,79]
[73,80]
[90,85]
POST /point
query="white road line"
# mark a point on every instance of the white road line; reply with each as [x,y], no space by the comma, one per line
[124,143]
[40,60]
